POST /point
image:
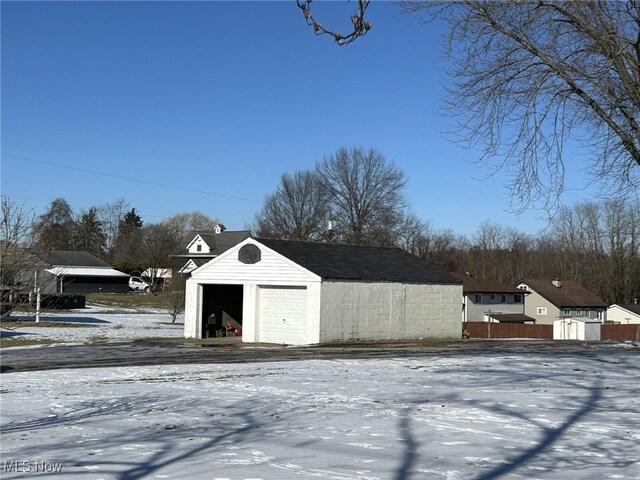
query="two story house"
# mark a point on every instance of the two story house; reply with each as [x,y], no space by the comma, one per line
[485,300]
[551,300]
[199,247]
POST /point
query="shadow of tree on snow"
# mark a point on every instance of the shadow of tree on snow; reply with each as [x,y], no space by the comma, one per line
[164,441]
[505,376]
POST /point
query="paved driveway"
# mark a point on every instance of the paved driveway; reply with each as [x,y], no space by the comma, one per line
[232,350]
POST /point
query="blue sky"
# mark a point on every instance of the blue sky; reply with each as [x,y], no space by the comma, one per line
[206,104]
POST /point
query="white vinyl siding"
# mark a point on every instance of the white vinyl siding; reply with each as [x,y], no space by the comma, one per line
[271,269]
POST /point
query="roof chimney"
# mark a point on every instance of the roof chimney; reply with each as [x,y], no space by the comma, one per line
[557,283]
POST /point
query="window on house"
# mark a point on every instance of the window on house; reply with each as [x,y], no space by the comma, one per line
[578,312]
[517,298]
[503,299]
[478,298]
[493,297]
[567,311]
[541,311]
[199,248]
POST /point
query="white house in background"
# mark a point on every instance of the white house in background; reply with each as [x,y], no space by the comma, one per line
[624,314]
[302,293]
[551,300]
[199,247]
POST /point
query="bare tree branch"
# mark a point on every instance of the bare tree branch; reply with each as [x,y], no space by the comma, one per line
[529,76]
[360,26]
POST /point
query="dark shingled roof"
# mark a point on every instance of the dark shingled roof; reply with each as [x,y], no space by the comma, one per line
[218,242]
[632,307]
[484,285]
[354,262]
[72,259]
[569,294]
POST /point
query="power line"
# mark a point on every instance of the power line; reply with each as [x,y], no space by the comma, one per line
[120,177]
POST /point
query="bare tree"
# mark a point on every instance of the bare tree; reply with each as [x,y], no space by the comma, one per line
[486,246]
[297,209]
[16,263]
[54,229]
[529,76]
[620,273]
[359,25]
[110,215]
[182,223]
[157,243]
[517,259]
[443,248]
[174,300]
[365,192]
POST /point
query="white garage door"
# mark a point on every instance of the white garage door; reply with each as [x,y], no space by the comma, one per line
[283,315]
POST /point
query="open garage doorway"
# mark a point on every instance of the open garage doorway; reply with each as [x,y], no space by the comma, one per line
[225,302]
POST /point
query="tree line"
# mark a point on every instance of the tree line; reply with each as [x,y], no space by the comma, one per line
[357,196]
[113,232]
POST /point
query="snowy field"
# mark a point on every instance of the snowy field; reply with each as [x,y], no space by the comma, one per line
[464,417]
[104,324]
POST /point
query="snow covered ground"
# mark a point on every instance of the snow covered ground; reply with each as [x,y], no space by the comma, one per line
[103,324]
[463,417]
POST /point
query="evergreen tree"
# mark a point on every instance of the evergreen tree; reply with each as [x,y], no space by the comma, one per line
[127,255]
[89,234]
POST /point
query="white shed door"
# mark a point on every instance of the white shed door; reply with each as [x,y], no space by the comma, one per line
[283,315]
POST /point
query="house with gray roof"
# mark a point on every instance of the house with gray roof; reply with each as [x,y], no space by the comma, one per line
[549,300]
[199,247]
[301,293]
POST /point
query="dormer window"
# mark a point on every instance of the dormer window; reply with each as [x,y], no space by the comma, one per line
[198,245]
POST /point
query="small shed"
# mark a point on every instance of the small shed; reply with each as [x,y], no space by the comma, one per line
[301,293]
[587,329]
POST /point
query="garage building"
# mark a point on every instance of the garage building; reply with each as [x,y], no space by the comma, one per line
[301,293]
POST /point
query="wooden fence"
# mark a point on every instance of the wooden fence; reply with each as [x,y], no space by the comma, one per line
[619,333]
[508,330]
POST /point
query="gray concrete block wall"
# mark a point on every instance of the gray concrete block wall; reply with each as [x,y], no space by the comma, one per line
[389,311]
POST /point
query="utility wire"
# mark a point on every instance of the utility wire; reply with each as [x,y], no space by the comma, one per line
[120,177]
